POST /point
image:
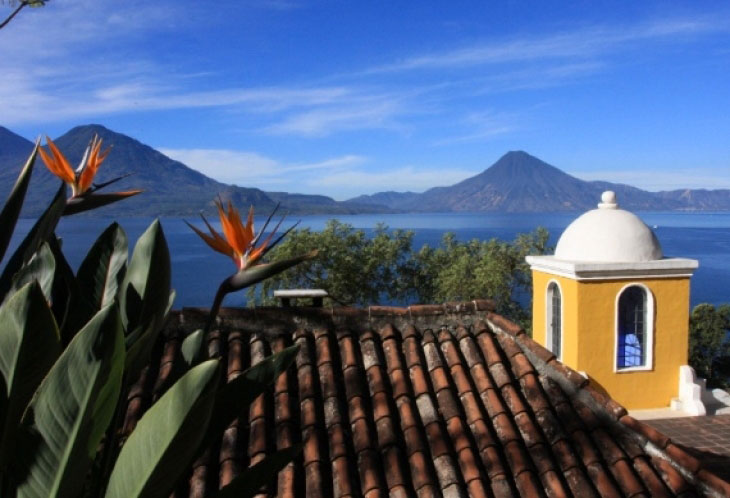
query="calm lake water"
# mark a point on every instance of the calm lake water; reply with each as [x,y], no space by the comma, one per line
[197,271]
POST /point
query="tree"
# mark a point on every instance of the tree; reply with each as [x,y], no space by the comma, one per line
[352,267]
[18,6]
[709,348]
[359,270]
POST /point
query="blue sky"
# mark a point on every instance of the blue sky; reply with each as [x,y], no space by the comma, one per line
[344,98]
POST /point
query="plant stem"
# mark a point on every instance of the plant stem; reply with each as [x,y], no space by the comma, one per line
[13,13]
[222,291]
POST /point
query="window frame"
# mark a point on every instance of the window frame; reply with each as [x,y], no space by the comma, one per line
[649,325]
[549,317]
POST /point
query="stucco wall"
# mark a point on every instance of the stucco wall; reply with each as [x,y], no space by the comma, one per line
[589,335]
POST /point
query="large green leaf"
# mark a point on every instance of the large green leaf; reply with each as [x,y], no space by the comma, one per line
[102,270]
[193,348]
[253,478]
[11,209]
[70,411]
[41,231]
[41,268]
[29,344]
[69,307]
[235,397]
[146,287]
[167,437]
[140,346]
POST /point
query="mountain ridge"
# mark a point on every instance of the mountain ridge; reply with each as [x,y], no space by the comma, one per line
[170,187]
[516,182]
[520,182]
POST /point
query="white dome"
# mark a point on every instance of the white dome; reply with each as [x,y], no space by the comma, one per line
[608,235]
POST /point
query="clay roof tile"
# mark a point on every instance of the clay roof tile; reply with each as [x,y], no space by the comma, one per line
[470,407]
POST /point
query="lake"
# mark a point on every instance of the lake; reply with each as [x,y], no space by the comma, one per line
[197,271]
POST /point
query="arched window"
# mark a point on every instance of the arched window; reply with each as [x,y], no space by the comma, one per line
[554,319]
[634,328]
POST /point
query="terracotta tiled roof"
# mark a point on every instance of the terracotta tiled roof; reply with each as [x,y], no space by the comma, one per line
[450,400]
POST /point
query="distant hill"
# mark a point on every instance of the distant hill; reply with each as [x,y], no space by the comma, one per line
[519,182]
[389,198]
[170,187]
[321,204]
[699,199]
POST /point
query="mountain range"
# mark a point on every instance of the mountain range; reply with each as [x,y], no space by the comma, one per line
[517,182]
[170,187]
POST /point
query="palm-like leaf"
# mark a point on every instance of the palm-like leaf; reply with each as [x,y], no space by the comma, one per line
[41,268]
[145,297]
[66,419]
[29,344]
[102,270]
[252,479]
[11,209]
[235,397]
[40,232]
[167,437]
[193,348]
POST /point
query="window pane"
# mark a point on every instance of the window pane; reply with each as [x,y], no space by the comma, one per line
[555,323]
[632,328]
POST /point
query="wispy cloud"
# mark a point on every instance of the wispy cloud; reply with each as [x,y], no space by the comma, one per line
[253,169]
[368,113]
[482,126]
[54,73]
[342,177]
[582,43]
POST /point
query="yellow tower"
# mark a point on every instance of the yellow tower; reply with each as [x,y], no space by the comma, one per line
[611,306]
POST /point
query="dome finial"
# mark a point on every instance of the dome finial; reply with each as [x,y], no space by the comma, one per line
[608,200]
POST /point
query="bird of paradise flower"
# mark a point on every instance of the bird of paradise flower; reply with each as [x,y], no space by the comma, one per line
[83,189]
[240,242]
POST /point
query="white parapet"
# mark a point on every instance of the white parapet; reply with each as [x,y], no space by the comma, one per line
[691,389]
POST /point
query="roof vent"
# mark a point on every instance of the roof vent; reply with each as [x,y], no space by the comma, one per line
[286,295]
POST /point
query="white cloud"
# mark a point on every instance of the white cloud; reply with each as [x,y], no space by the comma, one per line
[581,43]
[319,122]
[252,169]
[482,126]
[55,72]
[341,177]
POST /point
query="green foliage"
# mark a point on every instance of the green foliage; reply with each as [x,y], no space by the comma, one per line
[171,428]
[353,268]
[709,346]
[54,452]
[71,345]
[357,269]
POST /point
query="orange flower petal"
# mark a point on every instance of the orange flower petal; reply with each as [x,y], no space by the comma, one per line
[255,255]
[52,166]
[249,225]
[217,244]
[228,230]
[63,168]
[244,237]
[92,166]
